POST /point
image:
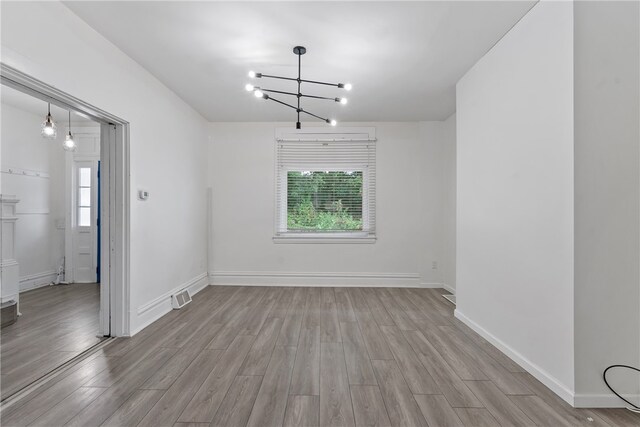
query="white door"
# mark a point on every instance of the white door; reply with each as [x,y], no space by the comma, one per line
[85,224]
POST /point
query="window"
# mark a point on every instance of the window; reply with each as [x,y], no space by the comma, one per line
[84,197]
[325,190]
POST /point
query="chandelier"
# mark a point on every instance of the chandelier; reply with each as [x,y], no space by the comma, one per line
[260,92]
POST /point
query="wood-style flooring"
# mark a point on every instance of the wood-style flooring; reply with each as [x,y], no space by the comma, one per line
[261,356]
[57,323]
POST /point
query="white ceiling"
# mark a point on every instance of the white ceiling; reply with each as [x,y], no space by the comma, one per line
[403,58]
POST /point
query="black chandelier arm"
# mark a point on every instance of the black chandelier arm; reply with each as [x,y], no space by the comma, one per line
[339,85]
[295,94]
[313,115]
[299,110]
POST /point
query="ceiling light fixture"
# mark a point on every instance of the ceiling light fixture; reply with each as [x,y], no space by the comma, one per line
[48,126]
[264,93]
[69,144]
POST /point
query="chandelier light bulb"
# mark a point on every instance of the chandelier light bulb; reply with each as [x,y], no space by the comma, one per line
[348,86]
[252,74]
[249,87]
[333,122]
[69,144]
[343,101]
[258,94]
[48,126]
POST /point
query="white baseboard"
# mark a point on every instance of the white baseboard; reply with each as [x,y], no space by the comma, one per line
[285,278]
[158,307]
[603,400]
[544,377]
[38,280]
[449,288]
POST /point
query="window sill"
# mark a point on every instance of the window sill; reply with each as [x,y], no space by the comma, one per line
[319,239]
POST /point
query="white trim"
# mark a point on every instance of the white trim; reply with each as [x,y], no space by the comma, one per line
[38,280]
[603,400]
[544,377]
[287,278]
[449,288]
[316,238]
[158,307]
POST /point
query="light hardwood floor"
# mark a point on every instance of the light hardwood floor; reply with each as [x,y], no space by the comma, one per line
[57,323]
[288,356]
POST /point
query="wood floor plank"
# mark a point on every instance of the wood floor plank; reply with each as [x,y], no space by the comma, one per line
[212,388]
[452,386]
[505,380]
[488,348]
[401,406]
[502,409]
[290,332]
[374,340]
[236,407]
[415,374]
[258,358]
[134,409]
[167,410]
[69,407]
[27,410]
[164,377]
[302,411]
[271,402]
[109,401]
[476,417]
[368,406]
[576,416]
[437,411]
[400,317]
[538,411]
[377,308]
[464,366]
[306,371]
[344,306]
[329,325]
[335,399]
[359,366]
[253,324]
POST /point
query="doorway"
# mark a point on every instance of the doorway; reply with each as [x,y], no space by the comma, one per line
[92,231]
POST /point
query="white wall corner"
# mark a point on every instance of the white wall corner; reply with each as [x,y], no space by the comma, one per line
[564,392]
[286,278]
[155,309]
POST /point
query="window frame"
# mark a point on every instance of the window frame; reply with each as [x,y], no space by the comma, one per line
[281,181]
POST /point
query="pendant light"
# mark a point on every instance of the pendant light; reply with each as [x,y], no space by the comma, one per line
[48,126]
[69,144]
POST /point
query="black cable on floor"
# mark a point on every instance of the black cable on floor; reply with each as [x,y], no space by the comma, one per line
[634,408]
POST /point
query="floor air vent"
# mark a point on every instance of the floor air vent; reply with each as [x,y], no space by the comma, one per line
[180,299]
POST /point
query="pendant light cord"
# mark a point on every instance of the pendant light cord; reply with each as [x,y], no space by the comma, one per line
[633,408]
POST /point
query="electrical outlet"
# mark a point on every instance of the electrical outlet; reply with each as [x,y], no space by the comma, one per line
[434,265]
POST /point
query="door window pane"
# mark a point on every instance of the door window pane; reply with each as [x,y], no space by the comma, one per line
[84,217]
[85,177]
[85,197]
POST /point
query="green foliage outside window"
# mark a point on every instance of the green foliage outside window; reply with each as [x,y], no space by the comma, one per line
[324,201]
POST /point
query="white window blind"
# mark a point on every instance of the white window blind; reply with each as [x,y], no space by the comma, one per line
[325,185]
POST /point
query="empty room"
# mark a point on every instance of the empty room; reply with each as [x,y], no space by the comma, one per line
[320,213]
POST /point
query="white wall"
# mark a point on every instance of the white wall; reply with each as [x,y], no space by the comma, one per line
[39,245]
[607,184]
[408,220]
[449,202]
[515,195]
[168,245]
